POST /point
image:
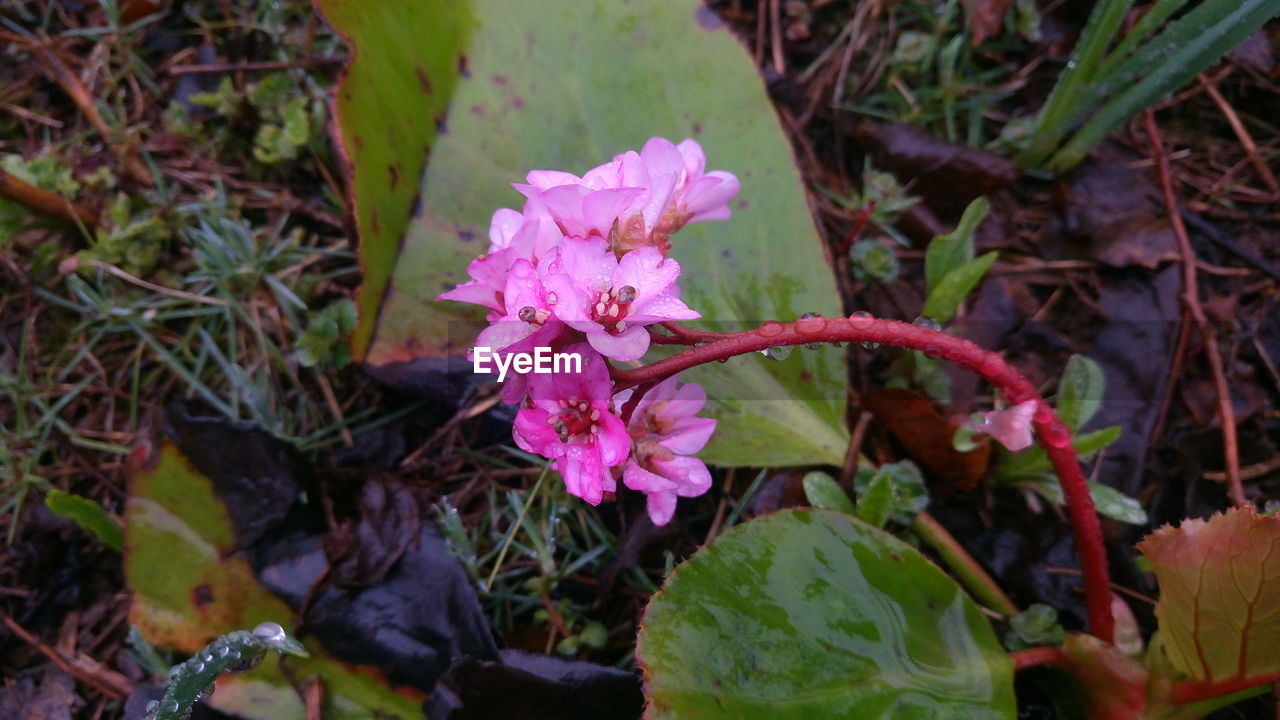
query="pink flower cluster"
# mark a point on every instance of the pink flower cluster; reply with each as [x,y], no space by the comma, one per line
[583,269]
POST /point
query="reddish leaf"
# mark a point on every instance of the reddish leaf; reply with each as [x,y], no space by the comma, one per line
[1219,607]
[926,436]
[986,18]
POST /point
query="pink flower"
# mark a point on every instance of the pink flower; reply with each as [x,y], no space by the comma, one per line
[665,433]
[1011,426]
[567,418]
[637,199]
[526,319]
[512,236]
[611,300]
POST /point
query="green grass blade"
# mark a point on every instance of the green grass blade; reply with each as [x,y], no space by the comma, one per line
[1198,39]
[1063,108]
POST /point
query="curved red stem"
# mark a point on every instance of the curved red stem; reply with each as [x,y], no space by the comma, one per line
[1051,433]
[1031,657]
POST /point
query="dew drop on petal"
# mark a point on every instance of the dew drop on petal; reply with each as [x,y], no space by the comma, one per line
[172,706]
[151,706]
[861,317]
[870,345]
[197,667]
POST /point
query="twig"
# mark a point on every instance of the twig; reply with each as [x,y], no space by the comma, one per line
[1191,298]
[261,66]
[1052,434]
[81,667]
[980,583]
[46,203]
[83,99]
[1246,140]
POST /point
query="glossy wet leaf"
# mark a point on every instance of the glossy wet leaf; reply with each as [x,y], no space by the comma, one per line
[814,614]
[1219,609]
[822,491]
[189,585]
[568,87]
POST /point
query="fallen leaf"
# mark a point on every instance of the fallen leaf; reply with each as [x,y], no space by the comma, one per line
[986,18]
[926,436]
[531,686]
[948,176]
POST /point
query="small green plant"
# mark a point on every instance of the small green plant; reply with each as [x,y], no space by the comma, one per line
[1105,83]
[234,652]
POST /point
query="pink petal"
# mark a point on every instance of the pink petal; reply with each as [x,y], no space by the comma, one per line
[647,271]
[503,227]
[1011,426]
[613,439]
[689,474]
[630,345]
[659,308]
[689,435]
[533,433]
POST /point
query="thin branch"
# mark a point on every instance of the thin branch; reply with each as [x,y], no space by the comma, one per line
[1246,140]
[84,100]
[43,202]
[1052,434]
[1191,298]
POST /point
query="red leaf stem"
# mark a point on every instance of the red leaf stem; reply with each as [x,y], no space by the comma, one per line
[1051,433]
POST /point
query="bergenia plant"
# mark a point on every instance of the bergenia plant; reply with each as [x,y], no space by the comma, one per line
[588,270]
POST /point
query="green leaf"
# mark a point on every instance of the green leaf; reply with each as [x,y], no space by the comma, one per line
[904,486]
[569,87]
[814,614]
[946,298]
[1219,591]
[1037,625]
[822,491]
[1107,500]
[1080,392]
[1033,462]
[876,503]
[88,514]
[948,252]
[190,585]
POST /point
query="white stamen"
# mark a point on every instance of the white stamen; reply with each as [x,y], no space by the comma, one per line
[622,326]
[613,311]
[600,308]
[595,415]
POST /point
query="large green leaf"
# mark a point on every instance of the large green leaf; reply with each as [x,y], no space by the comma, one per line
[814,614]
[189,587]
[394,93]
[568,85]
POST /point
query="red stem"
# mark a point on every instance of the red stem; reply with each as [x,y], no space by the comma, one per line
[1051,433]
[1032,657]
[1190,691]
